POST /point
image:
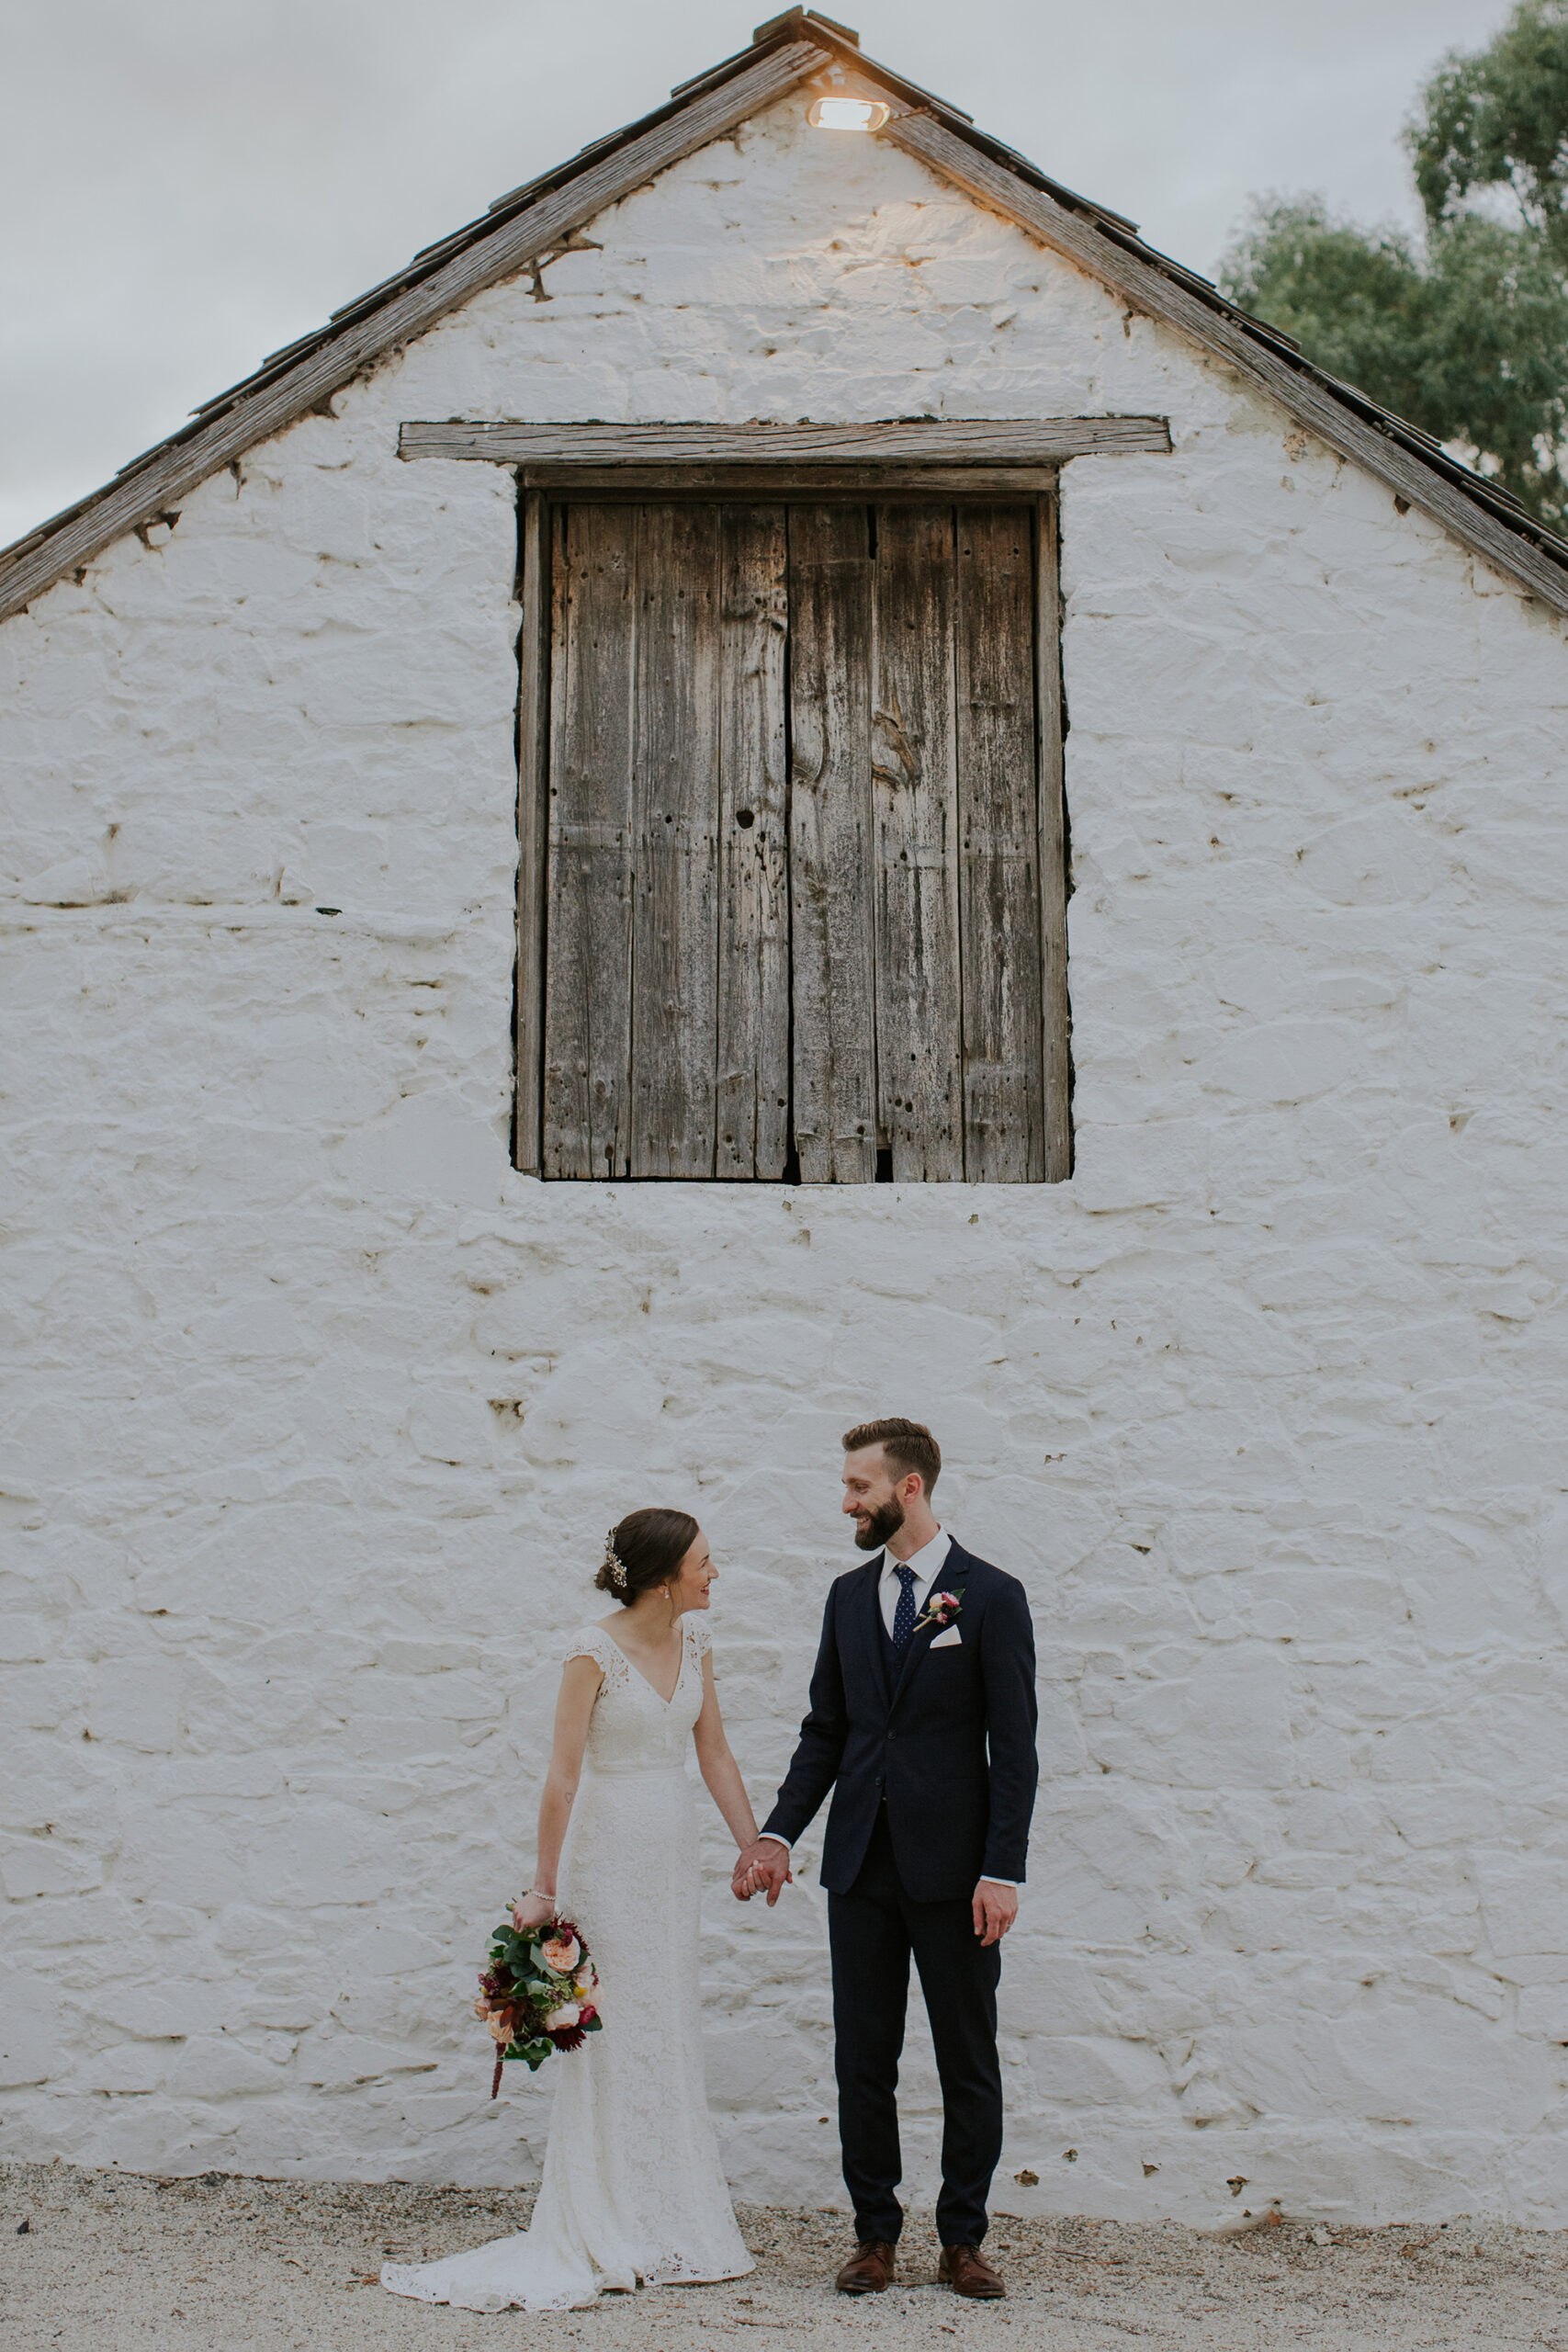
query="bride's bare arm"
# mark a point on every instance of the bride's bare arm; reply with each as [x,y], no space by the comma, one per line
[718,1767]
[580,1683]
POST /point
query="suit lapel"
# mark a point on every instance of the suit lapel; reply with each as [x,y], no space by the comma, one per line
[955,1572]
[862,1627]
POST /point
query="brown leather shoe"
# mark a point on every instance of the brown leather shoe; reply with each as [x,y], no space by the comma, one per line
[965,2270]
[869,2270]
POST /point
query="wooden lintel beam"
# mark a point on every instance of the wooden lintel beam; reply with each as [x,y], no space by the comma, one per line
[1147,288]
[910,443]
[178,468]
[790,484]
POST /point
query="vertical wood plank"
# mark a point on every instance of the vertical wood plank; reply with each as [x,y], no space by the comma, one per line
[533,830]
[1004,1082]
[1052,720]
[753,939]
[919,1047]
[675,815]
[589,934]
[834,1048]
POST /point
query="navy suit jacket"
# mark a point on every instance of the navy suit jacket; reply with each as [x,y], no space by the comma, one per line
[945,1736]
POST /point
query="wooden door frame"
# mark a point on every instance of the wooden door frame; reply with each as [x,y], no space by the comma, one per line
[1051,787]
[535,591]
[569,483]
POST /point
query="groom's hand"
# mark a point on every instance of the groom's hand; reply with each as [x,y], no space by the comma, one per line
[996,1909]
[764,1863]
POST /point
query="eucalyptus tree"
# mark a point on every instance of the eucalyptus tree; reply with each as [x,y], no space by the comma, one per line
[1465,331]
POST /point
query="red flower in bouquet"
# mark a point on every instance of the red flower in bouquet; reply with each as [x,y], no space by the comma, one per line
[577,2020]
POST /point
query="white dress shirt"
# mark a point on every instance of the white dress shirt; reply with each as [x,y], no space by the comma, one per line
[928,1564]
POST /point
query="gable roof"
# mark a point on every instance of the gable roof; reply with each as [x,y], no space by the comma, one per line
[535,222]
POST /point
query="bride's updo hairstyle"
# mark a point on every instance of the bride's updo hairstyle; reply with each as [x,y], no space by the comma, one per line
[645,1550]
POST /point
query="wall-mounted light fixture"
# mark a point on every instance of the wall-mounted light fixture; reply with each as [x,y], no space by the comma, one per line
[848,114]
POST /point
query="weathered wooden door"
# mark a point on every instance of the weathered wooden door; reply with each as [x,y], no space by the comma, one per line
[667,948]
[800,865]
[914,841]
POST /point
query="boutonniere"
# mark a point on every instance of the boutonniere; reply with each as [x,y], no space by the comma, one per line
[940,1611]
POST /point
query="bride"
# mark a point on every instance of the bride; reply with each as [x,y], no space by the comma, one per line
[632,2188]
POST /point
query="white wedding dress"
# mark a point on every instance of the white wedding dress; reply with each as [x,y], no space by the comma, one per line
[633,2188]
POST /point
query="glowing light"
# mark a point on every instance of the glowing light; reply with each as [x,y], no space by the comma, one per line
[848,114]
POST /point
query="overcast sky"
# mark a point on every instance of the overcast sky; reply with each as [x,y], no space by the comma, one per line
[187,184]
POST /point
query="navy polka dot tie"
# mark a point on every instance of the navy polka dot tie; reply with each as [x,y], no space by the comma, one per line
[904,1612]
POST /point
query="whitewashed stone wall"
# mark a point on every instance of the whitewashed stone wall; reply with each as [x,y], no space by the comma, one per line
[318,1410]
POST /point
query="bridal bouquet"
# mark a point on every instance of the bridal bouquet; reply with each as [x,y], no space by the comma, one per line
[534,1997]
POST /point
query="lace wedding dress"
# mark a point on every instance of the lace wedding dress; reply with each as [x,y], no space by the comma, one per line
[632,2188]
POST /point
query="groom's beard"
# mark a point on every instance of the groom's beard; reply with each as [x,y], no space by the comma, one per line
[874,1530]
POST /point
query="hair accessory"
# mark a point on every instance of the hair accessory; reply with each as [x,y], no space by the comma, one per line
[615,1565]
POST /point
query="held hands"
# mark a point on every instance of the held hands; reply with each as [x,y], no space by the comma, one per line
[764,1863]
[996,1909]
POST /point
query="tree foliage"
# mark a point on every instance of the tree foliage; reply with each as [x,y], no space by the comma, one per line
[1500,119]
[1465,334]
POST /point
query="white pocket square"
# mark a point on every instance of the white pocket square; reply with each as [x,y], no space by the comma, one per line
[950,1640]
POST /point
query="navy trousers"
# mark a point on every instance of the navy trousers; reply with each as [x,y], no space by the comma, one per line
[872,1931]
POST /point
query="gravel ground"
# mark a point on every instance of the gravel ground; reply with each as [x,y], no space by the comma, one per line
[112,2260]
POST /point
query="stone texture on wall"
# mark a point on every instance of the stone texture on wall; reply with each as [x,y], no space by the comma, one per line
[317,1410]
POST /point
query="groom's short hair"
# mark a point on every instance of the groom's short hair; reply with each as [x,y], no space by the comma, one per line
[906,1446]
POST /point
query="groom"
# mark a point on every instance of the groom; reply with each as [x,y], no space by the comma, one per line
[922,1723]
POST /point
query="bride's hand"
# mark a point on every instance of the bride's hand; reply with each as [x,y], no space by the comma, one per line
[764,1863]
[532,1911]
